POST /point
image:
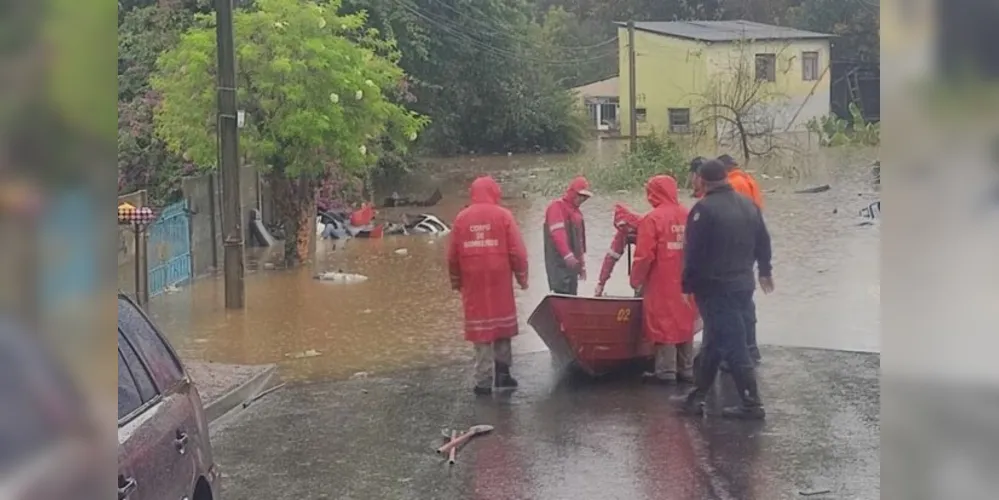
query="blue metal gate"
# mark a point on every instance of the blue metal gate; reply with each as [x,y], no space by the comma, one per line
[169,249]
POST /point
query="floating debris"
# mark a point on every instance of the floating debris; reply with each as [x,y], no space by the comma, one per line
[817,189]
[402,251]
[311,353]
[341,277]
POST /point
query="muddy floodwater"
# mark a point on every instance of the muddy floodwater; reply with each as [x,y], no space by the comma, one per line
[406,316]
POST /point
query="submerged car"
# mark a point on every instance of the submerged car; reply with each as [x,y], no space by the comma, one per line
[164,451]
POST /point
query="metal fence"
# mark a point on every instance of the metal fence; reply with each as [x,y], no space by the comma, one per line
[169,249]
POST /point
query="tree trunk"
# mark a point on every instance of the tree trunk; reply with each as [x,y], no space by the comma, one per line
[295,208]
[744,142]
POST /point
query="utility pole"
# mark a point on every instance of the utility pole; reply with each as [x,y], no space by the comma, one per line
[632,100]
[228,133]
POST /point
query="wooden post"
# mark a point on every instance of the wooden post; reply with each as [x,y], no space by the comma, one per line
[632,98]
[228,132]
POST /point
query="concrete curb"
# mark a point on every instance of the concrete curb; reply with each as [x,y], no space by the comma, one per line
[235,397]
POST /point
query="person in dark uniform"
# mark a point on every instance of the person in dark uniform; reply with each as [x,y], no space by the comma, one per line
[725,237]
[695,165]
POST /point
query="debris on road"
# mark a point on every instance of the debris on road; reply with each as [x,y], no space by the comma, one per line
[402,251]
[454,449]
[472,431]
[811,493]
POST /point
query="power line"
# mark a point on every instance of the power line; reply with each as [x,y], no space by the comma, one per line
[465,37]
[488,29]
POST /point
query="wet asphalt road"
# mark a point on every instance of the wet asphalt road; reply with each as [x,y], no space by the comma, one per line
[560,437]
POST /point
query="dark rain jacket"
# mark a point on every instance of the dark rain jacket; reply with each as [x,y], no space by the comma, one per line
[725,236]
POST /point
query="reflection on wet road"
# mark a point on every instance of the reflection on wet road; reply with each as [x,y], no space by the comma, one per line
[561,438]
[406,316]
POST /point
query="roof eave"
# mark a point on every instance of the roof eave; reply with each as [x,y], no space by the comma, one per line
[817,36]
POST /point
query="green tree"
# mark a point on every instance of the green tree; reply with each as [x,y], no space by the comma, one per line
[477,72]
[144,162]
[561,35]
[317,88]
[856,23]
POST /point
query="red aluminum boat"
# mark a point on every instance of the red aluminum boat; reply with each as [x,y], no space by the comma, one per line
[596,334]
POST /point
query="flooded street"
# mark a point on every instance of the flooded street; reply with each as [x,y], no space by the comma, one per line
[405,315]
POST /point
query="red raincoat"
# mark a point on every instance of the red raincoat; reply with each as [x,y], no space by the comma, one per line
[565,233]
[626,221]
[485,254]
[362,216]
[658,266]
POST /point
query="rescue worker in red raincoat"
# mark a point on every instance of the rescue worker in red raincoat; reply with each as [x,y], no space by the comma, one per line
[486,253]
[565,239]
[626,223]
[668,317]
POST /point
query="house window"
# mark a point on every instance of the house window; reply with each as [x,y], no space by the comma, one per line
[608,113]
[640,115]
[809,66]
[679,120]
[766,67]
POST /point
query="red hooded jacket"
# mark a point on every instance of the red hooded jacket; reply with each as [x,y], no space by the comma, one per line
[658,266]
[485,254]
[565,232]
[626,222]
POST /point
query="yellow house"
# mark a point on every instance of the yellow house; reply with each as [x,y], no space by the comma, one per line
[691,77]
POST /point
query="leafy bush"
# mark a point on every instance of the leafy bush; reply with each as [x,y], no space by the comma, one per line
[653,155]
[834,131]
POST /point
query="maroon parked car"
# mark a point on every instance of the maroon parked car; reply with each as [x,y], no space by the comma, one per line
[163,446]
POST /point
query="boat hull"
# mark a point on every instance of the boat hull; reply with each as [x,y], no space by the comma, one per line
[596,334]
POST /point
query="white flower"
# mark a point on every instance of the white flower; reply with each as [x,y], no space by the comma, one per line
[279,25]
[334,98]
[412,136]
[369,83]
[343,27]
[363,149]
[358,95]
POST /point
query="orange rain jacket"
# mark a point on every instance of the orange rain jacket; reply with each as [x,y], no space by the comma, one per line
[744,184]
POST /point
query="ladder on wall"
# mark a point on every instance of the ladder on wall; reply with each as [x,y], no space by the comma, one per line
[853,87]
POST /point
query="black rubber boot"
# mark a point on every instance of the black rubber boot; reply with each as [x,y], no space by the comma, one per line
[751,407]
[653,379]
[691,404]
[503,378]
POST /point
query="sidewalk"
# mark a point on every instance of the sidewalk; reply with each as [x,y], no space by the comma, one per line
[224,387]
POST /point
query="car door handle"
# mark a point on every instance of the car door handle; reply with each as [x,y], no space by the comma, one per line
[126,487]
[181,442]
